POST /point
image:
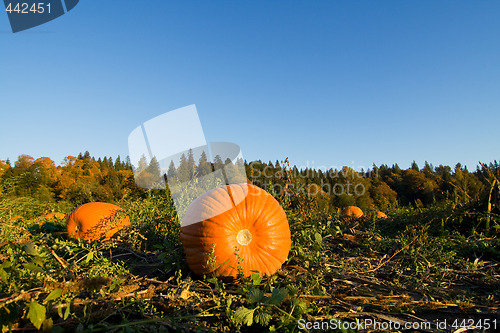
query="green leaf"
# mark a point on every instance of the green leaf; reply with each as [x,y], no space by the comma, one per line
[300,305]
[318,238]
[56,293]
[292,289]
[67,312]
[6,264]
[33,267]
[244,316]
[255,295]
[213,280]
[90,256]
[256,279]
[36,314]
[3,275]
[115,282]
[278,296]
[37,260]
[262,317]
[59,310]
[30,249]
[48,324]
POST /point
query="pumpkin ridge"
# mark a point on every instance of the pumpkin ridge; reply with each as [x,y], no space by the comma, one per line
[245,202]
[263,249]
[217,221]
[230,192]
[212,221]
[265,263]
[261,211]
[270,213]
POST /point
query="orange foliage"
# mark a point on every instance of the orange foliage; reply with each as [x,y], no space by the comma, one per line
[3,167]
[55,216]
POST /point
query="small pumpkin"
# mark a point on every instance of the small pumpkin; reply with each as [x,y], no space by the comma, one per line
[55,216]
[96,220]
[352,211]
[247,225]
[17,218]
[380,215]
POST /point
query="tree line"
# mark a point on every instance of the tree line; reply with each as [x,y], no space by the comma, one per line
[84,179]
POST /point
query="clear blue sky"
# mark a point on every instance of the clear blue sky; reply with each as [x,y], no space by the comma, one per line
[328,83]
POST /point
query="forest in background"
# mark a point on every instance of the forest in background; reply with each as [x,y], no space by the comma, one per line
[85,179]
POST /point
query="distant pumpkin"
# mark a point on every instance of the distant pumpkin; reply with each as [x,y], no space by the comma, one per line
[380,215]
[238,218]
[352,211]
[96,221]
[17,218]
[55,216]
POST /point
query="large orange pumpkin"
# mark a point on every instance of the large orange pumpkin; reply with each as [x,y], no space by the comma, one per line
[96,220]
[55,216]
[380,215]
[239,218]
[352,211]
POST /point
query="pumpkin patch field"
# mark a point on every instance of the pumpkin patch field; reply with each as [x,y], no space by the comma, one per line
[249,257]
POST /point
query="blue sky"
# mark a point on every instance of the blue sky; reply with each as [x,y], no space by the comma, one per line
[325,83]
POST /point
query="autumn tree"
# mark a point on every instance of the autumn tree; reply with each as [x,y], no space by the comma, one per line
[383,195]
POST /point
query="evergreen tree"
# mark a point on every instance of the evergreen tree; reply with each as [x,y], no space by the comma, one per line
[204,167]
[191,165]
[183,169]
[218,164]
[141,166]
[118,164]
[154,169]
[171,172]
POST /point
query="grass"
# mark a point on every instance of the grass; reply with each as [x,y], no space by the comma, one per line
[420,265]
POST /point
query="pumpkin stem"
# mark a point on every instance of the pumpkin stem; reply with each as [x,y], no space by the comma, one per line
[244,237]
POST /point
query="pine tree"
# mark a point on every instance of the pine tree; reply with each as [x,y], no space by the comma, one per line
[118,164]
[218,164]
[171,172]
[191,165]
[141,165]
[183,170]
[154,169]
[204,167]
